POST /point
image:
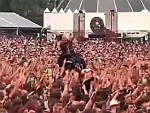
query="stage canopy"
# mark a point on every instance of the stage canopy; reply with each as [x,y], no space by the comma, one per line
[105,5]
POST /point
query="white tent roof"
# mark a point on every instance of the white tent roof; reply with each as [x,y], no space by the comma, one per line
[54,10]
[83,11]
[69,11]
[13,20]
[47,10]
[76,11]
[145,10]
[105,5]
[61,11]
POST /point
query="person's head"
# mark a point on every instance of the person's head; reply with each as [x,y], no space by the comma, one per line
[70,108]
[52,102]
[61,37]
[100,105]
[55,93]
[23,110]
[16,102]
[93,110]
[58,108]
[2,110]
[115,106]
[33,103]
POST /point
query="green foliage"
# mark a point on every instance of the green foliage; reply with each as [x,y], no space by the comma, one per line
[30,9]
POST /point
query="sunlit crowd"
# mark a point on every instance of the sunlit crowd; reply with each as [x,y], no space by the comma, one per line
[116,79]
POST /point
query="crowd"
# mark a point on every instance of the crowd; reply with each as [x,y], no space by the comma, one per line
[116,80]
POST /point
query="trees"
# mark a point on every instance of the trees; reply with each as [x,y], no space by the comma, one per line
[4,5]
[53,3]
[30,9]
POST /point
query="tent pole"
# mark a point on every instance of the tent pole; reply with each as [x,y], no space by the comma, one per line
[17,31]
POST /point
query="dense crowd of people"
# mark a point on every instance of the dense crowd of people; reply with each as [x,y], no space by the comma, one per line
[116,80]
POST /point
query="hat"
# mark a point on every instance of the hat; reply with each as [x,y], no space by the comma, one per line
[114,102]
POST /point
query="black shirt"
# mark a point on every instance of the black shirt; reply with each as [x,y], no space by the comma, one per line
[66,47]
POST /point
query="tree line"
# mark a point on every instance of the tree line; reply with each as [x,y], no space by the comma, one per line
[30,9]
